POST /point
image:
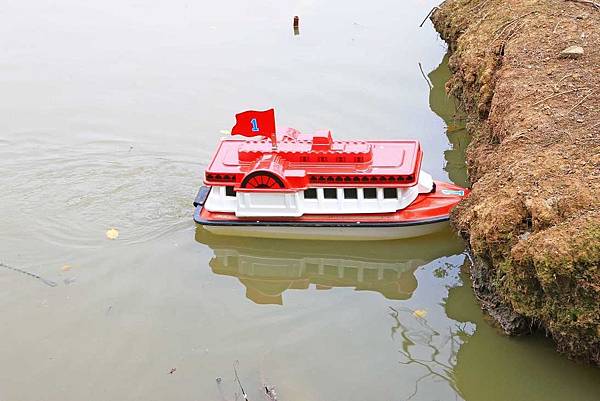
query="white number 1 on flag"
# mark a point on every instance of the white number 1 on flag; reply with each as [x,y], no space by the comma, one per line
[254,125]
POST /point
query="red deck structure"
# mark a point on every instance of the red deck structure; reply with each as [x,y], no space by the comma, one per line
[300,161]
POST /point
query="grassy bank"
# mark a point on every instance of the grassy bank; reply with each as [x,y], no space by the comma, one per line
[533,219]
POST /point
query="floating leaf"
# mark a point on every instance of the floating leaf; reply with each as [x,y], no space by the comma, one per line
[66,268]
[113,233]
[420,313]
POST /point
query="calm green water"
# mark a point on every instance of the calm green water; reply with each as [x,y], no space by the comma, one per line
[108,114]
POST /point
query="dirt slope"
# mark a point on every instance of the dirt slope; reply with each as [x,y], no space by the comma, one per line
[533,219]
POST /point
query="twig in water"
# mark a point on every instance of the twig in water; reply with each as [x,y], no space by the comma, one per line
[270,393]
[16,269]
[434,367]
[582,100]
[428,15]
[424,76]
[592,3]
[237,378]
[270,390]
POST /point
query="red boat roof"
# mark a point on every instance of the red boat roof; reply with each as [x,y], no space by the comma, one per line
[302,161]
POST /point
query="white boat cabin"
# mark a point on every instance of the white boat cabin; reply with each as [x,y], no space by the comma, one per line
[315,200]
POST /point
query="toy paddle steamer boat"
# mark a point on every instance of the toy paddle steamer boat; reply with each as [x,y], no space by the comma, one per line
[308,186]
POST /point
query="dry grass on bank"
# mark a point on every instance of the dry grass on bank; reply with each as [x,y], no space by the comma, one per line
[534,214]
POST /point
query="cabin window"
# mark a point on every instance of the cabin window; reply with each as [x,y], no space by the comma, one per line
[390,193]
[330,193]
[310,193]
[370,193]
[229,191]
[350,193]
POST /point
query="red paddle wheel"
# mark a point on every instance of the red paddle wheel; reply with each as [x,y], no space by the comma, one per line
[262,180]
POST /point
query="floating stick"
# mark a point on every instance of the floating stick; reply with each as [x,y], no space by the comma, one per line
[237,378]
[16,269]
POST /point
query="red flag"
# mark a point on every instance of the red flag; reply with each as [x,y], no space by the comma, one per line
[255,123]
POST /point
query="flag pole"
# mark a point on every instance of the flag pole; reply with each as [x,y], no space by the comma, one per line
[274,142]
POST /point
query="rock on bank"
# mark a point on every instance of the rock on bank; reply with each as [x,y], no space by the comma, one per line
[533,219]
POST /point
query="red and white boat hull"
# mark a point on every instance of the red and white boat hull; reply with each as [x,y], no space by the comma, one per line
[427,214]
[355,233]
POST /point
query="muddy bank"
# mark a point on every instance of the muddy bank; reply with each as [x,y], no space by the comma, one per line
[533,219]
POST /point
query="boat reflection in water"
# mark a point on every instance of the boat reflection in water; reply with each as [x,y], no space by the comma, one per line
[267,267]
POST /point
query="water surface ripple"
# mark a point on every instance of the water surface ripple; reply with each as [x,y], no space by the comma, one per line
[69,195]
